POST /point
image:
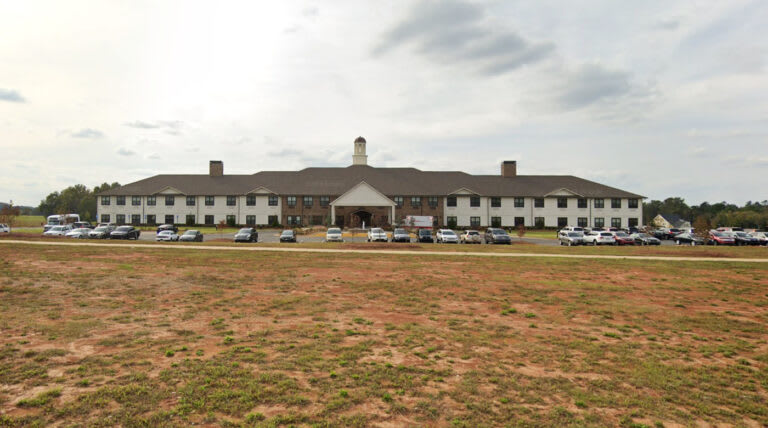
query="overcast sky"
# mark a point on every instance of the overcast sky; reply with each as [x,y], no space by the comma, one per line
[660,98]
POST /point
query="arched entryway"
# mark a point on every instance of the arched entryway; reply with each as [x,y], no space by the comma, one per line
[360,218]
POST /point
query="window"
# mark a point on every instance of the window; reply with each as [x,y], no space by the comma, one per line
[632,222]
[273,202]
[399,201]
[581,222]
[151,219]
[250,220]
[151,200]
[495,221]
[519,221]
[120,218]
[169,200]
[231,220]
[135,200]
[539,222]
[135,219]
[538,203]
[582,203]
[105,218]
[615,202]
[272,220]
[325,201]
[562,222]
[632,203]
[294,220]
[616,222]
[599,203]
[190,219]
[452,222]
[432,201]
[415,201]
[250,200]
[169,219]
[495,203]
[291,201]
[190,201]
[474,221]
[231,200]
[105,200]
[562,202]
[519,202]
[209,219]
[599,222]
[450,201]
[210,201]
[120,200]
[307,201]
[316,220]
[474,201]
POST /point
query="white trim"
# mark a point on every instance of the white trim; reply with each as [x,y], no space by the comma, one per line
[336,201]
[556,192]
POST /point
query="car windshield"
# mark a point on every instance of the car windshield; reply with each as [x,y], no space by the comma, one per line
[287,232]
[425,232]
[606,234]
[574,235]
[191,232]
[400,231]
[741,234]
[245,230]
[166,232]
[124,228]
[376,230]
[499,232]
[472,232]
[334,230]
[621,234]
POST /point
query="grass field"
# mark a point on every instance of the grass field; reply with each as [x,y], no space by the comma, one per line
[29,221]
[151,337]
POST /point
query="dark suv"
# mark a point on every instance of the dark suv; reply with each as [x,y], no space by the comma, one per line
[125,232]
[424,235]
[495,235]
[247,234]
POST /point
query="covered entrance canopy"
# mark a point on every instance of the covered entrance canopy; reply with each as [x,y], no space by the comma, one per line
[363,205]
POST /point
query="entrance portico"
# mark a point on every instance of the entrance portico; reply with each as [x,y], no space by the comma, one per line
[363,204]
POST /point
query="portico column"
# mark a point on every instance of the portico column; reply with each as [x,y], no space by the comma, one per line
[333,215]
[392,219]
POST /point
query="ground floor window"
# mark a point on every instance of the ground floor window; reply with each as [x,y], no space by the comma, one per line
[209,219]
[474,221]
[169,219]
[272,220]
[190,219]
[135,219]
[250,220]
[151,219]
[231,220]
[599,222]
[562,221]
[452,222]
[519,221]
[582,222]
[105,218]
[633,222]
[316,220]
[340,220]
[294,220]
[616,222]
[495,221]
[120,219]
[539,222]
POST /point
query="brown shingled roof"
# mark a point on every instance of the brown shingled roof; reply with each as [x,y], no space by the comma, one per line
[389,181]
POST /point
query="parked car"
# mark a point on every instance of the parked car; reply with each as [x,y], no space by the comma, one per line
[572,229]
[111,225]
[125,232]
[80,233]
[570,238]
[58,230]
[743,238]
[167,235]
[494,235]
[665,233]
[247,234]
[191,236]
[4,228]
[599,238]
[334,235]
[471,237]
[288,236]
[424,235]
[730,229]
[720,238]
[688,238]
[622,238]
[645,239]
[400,235]
[447,236]
[377,234]
[163,227]
[81,224]
[101,232]
[761,236]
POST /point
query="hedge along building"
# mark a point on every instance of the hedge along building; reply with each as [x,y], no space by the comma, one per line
[361,193]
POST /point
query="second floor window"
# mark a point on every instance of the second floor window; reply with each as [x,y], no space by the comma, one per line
[308,201]
[290,200]
[416,201]
[495,202]
[190,201]
[325,201]
[474,201]
[399,201]
[632,203]
[151,200]
[600,203]
[105,200]
[210,201]
[538,203]
[231,201]
[169,201]
[615,202]
[272,200]
[562,202]
[250,200]
[519,202]
[135,200]
[433,201]
[121,200]
[582,203]
[450,201]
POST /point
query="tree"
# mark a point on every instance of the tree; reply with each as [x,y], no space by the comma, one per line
[701,227]
[9,213]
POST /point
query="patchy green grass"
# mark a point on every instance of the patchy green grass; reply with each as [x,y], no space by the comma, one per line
[151,337]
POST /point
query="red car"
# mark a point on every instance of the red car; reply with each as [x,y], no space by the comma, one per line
[623,239]
[720,238]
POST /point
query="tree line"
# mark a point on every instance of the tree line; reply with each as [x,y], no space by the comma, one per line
[77,199]
[750,215]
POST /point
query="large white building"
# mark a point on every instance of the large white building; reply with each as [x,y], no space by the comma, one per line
[377,196]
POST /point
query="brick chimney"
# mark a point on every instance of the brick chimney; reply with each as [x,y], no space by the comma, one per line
[509,169]
[216,168]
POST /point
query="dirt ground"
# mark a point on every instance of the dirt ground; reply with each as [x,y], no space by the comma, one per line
[147,337]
